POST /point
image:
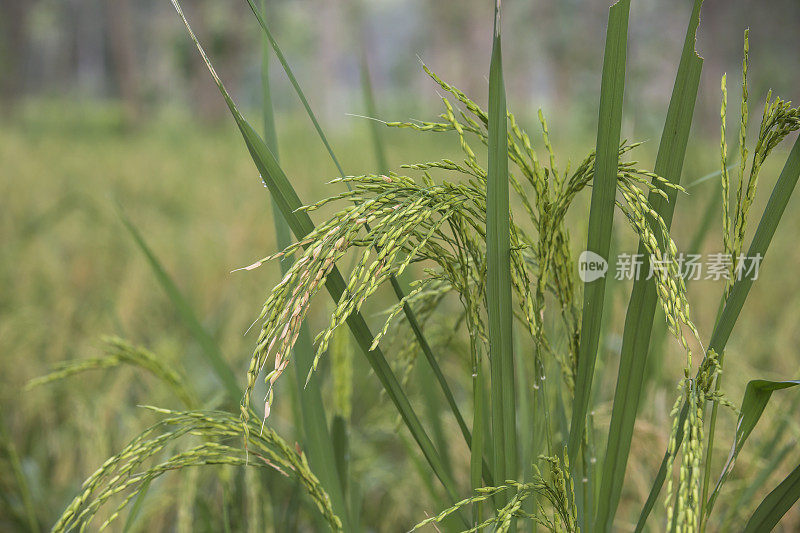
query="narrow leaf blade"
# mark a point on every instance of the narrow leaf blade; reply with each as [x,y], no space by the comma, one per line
[498,271]
[601,213]
[776,504]
[207,344]
[643,301]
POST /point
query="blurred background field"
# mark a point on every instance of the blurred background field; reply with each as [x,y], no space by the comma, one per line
[106,102]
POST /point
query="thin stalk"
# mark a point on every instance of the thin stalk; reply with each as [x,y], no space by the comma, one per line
[709,451]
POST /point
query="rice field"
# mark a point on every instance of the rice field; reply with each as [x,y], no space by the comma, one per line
[272,324]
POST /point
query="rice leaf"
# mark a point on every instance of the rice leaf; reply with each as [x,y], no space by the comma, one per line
[8,452]
[776,504]
[772,461]
[372,111]
[773,212]
[133,514]
[498,271]
[339,445]
[643,301]
[601,213]
[207,344]
[756,396]
[301,225]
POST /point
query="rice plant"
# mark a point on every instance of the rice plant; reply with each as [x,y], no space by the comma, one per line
[487,235]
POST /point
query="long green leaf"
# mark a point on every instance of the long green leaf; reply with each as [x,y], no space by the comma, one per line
[301,225]
[498,271]
[643,301]
[773,212]
[756,396]
[207,344]
[372,111]
[766,452]
[318,441]
[133,514]
[776,504]
[601,212]
[9,452]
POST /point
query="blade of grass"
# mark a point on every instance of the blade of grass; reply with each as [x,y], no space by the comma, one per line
[498,271]
[396,287]
[372,111]
[756,397]
[340,445]
[766,453]
[320,447]
[601,212]
[301,225]
[208,345]
[137,507]
[748,494]
[8,450]
[773,212]
[643,300]
[776,504]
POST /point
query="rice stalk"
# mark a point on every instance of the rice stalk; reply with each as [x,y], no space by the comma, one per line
[127,471]
[120,352]
[740,289]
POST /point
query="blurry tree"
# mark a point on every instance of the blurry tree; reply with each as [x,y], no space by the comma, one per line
[122,40]
[137,51]
[13,48]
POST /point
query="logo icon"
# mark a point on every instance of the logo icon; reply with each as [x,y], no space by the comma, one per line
[591,266]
